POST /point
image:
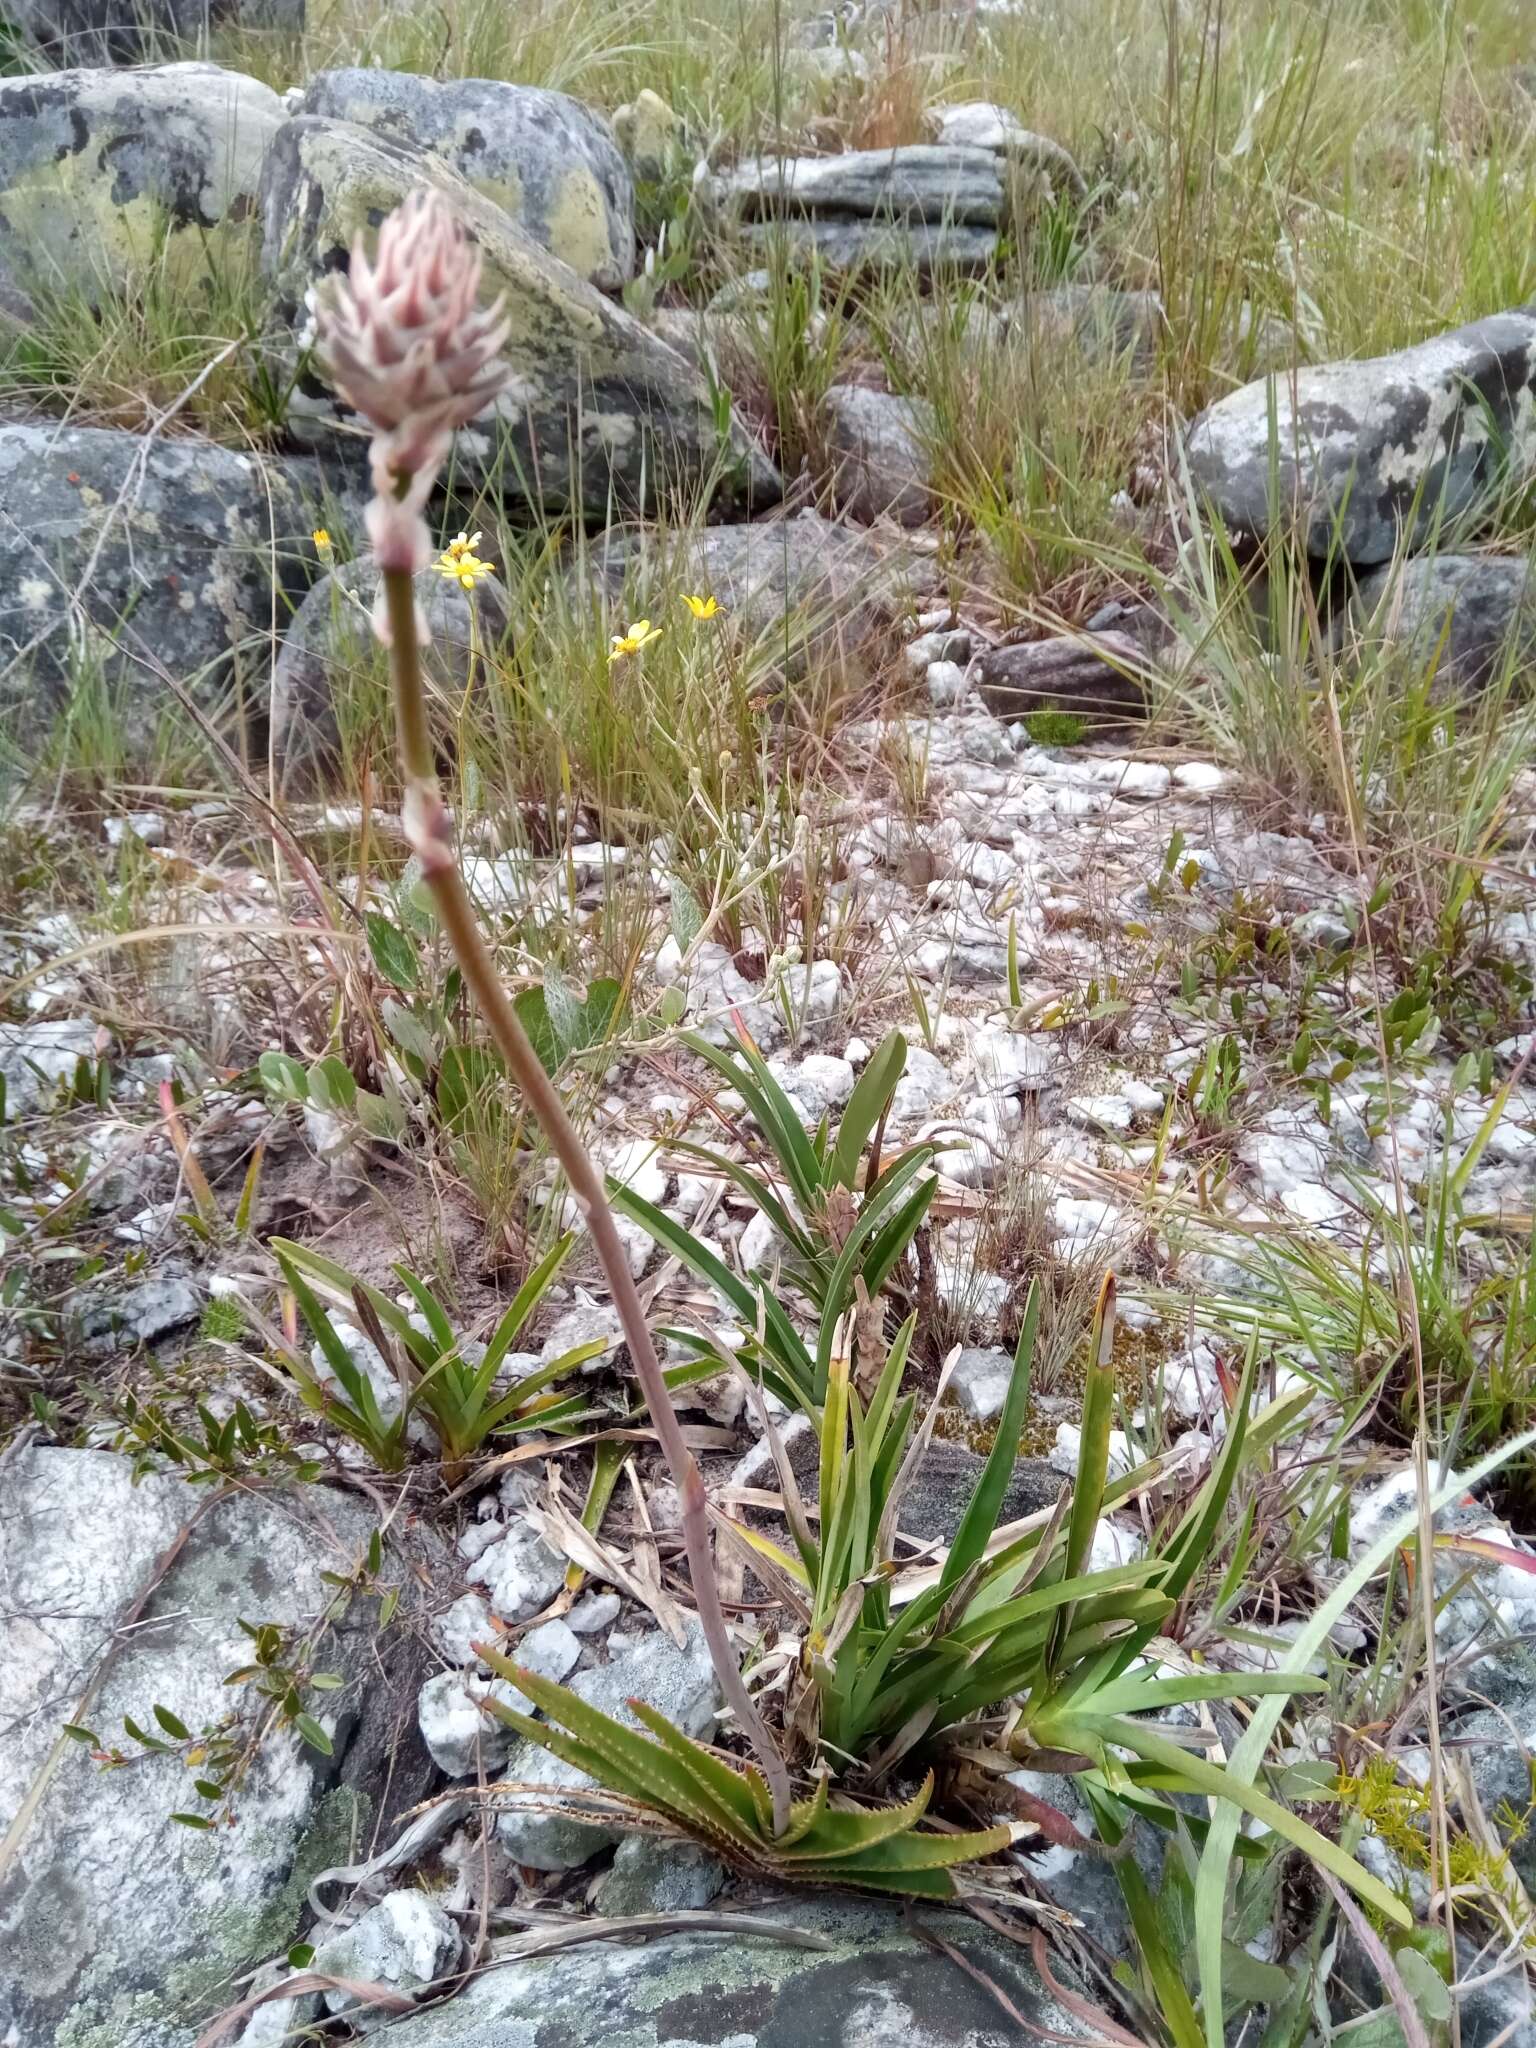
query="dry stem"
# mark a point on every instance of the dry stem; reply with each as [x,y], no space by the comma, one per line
[427,828]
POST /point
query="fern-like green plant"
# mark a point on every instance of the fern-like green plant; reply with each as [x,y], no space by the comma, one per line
[726,1806]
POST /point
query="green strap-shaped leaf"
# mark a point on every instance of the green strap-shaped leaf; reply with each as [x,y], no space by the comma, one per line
[866,1105]
[850,1260]
[980,1517]
[758,1192]
[340,1285]
[1152,1695]
[526,1299]
[1174,2004]
[1208,1781]
[432,1311]
[893,1238]
[556,1369]
[1045,1599]
[883,1401]
[779,1334]
[902,1853]
[354,1382]
[772,1112]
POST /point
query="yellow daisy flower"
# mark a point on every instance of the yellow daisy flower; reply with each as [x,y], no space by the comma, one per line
[460,564]
[322,541]
[641,633]
[702,607]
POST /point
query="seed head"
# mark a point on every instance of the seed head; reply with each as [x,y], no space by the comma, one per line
[406,341]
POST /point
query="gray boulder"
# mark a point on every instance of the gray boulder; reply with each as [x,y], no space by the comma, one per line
[980,1381]
[459,1733]
[919,181]
[551,164]
[659,1877]
[652,135]
[39,1060]
[113,543]
[1383,449]
[330,651]
[881,452]
[599,409]
[870,1981]
[801,585]
[1473,611]
[406,1943]
[97,166]
[117,1924]
[1106,324]
[1099,677]
[678,1683]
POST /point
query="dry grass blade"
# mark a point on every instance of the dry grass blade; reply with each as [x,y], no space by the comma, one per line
[376,1997]
[564,1532]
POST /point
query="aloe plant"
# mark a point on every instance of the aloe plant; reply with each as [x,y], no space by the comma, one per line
[845,1217]
[1029,1624]
[728,1807]
[455,1395]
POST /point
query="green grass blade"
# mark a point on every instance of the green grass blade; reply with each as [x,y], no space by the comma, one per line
[1246,1758]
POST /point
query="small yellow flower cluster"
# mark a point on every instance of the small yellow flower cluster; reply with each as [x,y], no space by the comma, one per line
[642,632]
[322,541]
[460,564]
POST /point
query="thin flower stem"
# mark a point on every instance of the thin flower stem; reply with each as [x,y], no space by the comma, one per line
[426,825]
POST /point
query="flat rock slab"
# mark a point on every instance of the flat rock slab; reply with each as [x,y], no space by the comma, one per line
[982,125]
[928,248]
[1380,450]
[873,1983]
[112,1916]
[550,163]
[104,172]
[920,181]
[599,409]
[180,540]
[1468,613]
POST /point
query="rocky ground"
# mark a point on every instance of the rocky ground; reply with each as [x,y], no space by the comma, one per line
[907,591]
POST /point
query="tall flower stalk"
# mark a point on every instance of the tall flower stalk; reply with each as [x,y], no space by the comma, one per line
[408,344]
